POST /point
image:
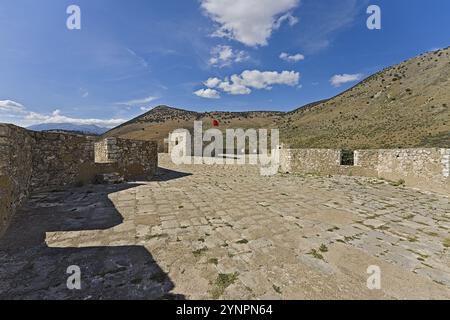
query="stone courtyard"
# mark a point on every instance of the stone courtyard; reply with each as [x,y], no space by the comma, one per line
[226,232]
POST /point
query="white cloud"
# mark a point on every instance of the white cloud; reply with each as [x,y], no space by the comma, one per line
[264,80]
[57,117]
[212,82]
[235,87]
[291,20]
[250,22]
[140,60]
[340,79]
[292,57]
[146,109]
[11,106]
[138,101]
[223,56]
[208,93]
[252,79]
[22,116]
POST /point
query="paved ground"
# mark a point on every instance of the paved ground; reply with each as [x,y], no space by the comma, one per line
[201,232]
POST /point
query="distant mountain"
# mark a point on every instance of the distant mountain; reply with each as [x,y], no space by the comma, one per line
[70,127]
[161,120]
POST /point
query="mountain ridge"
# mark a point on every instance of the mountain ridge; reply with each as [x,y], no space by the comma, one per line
[401,106]
[70,127]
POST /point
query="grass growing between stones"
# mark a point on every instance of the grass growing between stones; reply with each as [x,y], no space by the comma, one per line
[446,243]
[316,254]
[277,289]
[383,227]
[156,236]
[431,234]
[223,281]
[199,252]
[397,183]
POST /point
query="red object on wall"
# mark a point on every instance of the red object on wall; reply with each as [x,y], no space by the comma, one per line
[215,123]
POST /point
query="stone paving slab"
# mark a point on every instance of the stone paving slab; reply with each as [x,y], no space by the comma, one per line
[225,232]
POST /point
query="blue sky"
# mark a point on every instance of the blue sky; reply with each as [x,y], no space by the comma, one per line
[132,55]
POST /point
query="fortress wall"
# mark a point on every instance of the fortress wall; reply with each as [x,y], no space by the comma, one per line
[131,158]
[61,159]
[423,168]
[310,161]
[426,168]
[366,162]
[31,161]
[15,170]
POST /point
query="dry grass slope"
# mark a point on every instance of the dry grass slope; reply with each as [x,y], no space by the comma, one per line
[406,105]
[159,122]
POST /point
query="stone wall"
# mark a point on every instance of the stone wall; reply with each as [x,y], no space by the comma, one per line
[313,161]
[15,170]
[131,158]
[61,159]
[423,168]
[31,161]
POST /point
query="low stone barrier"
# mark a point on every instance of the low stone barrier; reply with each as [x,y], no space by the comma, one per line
[31,161]
[133,159]
[426,168]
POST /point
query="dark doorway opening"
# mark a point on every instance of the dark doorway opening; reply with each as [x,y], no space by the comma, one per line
[347,158]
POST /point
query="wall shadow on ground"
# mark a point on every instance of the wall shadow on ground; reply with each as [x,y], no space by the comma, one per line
[163,174]
[29,269]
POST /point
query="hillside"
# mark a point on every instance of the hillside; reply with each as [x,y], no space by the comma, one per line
[160,121]
[406,105]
